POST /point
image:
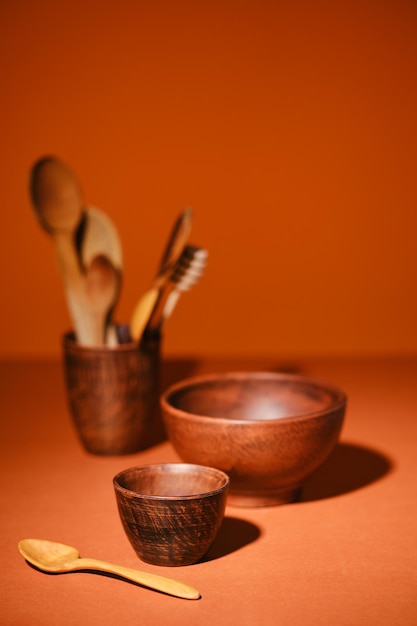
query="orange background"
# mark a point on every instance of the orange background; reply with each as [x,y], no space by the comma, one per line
[289,127]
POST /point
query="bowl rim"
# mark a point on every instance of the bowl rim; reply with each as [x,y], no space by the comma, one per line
[339,394]
[178,465]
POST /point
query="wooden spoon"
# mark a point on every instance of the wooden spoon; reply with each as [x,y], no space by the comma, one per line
[173,250]
[103,286]
[101,256]
[57,200]
[56,197]
[57,557]
[100,238]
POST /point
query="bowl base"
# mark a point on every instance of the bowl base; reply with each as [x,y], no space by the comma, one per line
[259,499]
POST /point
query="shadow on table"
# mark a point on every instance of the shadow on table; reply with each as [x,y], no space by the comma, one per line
[349,467]
[234,534]
[172,371]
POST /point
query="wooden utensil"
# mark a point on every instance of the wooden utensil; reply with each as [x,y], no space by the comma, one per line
[175,246]
[59,558]
[57,200]
[177,240]
[103,286]
[186,274]
[101,256]
[100,238]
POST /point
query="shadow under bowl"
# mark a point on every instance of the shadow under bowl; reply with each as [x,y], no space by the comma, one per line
[268,431]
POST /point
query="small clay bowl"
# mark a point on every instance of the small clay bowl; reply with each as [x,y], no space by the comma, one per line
[269,432]
[171,512]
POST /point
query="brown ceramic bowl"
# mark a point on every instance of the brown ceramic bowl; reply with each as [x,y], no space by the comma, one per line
[267,431]
[171,512]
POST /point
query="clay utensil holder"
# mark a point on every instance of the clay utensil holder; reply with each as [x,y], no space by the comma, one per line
[113,394]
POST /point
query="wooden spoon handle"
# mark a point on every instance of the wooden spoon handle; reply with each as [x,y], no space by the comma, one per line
[153,581]
[143,312]
[152,299]
[75,290]
[177,240]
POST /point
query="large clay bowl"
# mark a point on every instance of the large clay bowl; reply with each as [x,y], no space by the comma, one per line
[171,512]
[267,431]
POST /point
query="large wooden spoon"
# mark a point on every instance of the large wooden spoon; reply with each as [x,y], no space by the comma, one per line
[59,558]
[57,200]
[56,196]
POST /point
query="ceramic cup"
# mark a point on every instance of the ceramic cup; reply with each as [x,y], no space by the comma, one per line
[113,394]
[171,512]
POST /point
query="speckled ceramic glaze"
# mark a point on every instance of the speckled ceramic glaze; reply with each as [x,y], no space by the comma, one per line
[267,431]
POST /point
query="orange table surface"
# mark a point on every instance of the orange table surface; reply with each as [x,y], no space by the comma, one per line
[345,555]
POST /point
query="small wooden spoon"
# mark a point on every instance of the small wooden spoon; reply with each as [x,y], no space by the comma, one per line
[100,252]
[103,286]
[56,557]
